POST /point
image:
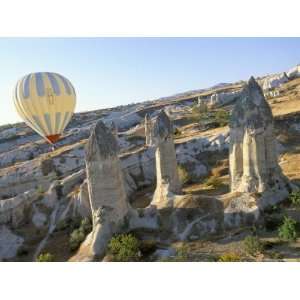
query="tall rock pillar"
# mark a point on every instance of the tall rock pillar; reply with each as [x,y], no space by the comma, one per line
[106,190]
[167,179]
[148,130]
[253,158]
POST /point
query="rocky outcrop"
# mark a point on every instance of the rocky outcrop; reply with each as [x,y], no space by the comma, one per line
[148,130]
[253,156]
[107,193]
[223,98]
[202,104]
[13,211]
[9,243]
[274,81]
[167,179]
[294,72]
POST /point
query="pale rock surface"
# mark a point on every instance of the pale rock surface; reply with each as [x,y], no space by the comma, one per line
[255,174]
[148,130]
[167,179]
[223,98]
[274,81]
[253,157]
[107,192]
[202,104]
[9,243]
[294,72]
[12,210]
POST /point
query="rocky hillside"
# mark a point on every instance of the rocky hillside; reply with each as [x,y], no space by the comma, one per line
[42,190]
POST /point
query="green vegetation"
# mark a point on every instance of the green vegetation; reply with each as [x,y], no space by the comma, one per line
[183,174]
[230,257]
[124,248]
[212,118]
[252,245]
[294,197]
[287,231]
[45,257]
[222,117]
[78,235]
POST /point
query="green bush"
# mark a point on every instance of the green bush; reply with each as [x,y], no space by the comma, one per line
[125,248]
[76,238]
[287,231]
[222,117]
[229,257]
[86,225]
[45,257]
[253,245]
[294,197]
[183,174]
[78,235]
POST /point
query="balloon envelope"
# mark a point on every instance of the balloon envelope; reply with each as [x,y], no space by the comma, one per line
[46,102]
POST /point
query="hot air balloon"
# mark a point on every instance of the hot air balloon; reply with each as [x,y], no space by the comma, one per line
[46,102]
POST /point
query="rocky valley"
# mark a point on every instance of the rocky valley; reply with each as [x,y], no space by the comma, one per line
[198,176]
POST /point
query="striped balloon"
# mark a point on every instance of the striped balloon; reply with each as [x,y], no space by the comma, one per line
[46,102]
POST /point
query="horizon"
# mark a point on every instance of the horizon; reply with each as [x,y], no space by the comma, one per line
[109,72]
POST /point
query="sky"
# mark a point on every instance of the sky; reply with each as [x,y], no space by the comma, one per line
[108,72]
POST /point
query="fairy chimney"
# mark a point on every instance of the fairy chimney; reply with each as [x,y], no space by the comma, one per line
[167,179]
[253,158]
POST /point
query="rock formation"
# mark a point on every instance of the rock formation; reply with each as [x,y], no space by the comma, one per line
[253,157]
[114,129]
[148,130]
[274,81]
[106,190]
[294,72]
[167,180]
[202,104]
[223,98]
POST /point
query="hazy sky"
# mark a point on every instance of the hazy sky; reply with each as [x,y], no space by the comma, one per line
[108,72]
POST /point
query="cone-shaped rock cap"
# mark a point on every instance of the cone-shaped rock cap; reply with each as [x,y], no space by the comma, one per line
[101,141]
[252,107]
[162,126]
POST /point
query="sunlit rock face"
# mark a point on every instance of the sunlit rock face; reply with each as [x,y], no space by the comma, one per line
[148,130]
[167,180]
[253,156]
[223,98]
[274,81]
[106,190]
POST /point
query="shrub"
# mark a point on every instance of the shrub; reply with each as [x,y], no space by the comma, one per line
[213,181]
[86,225]
[222,117]
[273,222]
[124,247]
[253,245]
[183,174]
[287,231]
[294,197]
[76,238]
[45,257]
[229,257]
